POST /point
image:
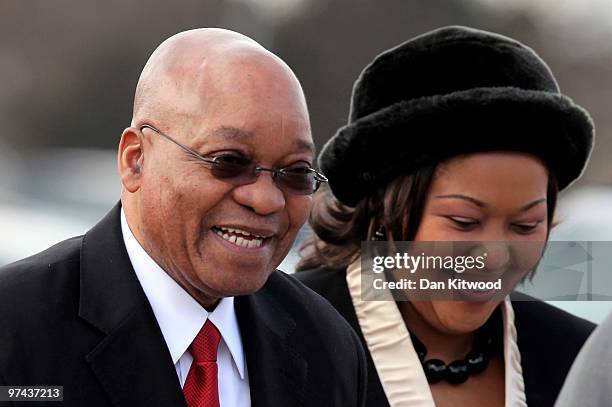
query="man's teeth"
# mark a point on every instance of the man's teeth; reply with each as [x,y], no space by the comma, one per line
[239,237]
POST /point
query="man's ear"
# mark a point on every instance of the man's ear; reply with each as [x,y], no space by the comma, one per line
[130,159]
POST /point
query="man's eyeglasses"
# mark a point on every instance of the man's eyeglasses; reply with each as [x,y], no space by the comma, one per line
[296,179]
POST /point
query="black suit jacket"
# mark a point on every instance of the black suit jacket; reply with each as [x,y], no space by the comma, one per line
[75,315]
[548,338]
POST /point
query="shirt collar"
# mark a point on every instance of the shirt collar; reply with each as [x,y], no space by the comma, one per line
[179,315]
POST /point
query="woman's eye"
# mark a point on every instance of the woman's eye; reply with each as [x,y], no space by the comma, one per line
[463,223]
[525,228]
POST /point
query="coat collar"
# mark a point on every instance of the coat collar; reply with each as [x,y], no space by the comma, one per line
[109,289]
[133,363]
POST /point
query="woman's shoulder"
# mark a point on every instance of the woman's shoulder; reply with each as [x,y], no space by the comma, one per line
[548,339]
[548,320]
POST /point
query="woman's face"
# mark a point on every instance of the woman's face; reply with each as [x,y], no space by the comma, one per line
[497,196]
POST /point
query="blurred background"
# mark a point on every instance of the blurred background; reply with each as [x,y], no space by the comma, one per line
[69,68]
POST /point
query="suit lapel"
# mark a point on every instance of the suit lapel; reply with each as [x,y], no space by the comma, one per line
[277,371]
[134,365]
[132,362]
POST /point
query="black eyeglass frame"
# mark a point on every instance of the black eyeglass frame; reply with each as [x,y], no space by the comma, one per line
[257,169]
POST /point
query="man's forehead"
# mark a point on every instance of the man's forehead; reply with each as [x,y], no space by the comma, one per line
[228,133]
[203,63]
[244,84]
[188,67]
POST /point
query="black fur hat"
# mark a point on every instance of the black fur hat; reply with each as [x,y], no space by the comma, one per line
[452,91]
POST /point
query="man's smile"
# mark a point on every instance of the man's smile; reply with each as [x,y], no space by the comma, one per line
[241,237]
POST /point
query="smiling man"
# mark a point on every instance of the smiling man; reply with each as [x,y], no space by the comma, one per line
[173,298]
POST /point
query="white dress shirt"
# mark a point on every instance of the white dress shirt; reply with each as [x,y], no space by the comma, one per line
[180,318]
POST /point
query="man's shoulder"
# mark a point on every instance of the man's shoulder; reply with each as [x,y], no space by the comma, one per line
[312,329]
[305,305]
[32,267]
[38,294]
[38,278]
[293,291]
[329,283]
[319,327]
[320,277]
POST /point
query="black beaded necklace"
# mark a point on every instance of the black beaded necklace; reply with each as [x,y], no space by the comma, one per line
[487,342]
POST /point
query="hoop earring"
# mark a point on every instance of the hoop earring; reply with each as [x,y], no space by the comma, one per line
[379,235]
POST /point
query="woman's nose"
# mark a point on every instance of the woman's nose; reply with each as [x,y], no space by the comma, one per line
[497,255]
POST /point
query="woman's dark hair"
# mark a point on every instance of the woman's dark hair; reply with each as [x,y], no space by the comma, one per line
[396,208]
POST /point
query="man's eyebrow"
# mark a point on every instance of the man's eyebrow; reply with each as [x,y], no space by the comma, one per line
[231,133]
[234,133]
[304,145]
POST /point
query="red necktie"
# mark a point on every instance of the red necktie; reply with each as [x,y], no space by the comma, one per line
[201,388]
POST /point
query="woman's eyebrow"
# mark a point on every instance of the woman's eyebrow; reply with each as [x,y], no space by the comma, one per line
[484,205]
[532,204]
[464,197]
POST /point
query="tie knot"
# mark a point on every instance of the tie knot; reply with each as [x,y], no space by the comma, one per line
[204,346]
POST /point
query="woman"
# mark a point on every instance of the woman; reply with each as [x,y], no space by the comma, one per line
[455,135]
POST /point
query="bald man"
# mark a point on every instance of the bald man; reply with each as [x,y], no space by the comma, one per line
[173,299]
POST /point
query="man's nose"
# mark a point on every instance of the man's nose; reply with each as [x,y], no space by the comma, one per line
[263,196]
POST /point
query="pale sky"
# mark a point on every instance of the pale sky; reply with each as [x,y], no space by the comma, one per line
[581,27]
